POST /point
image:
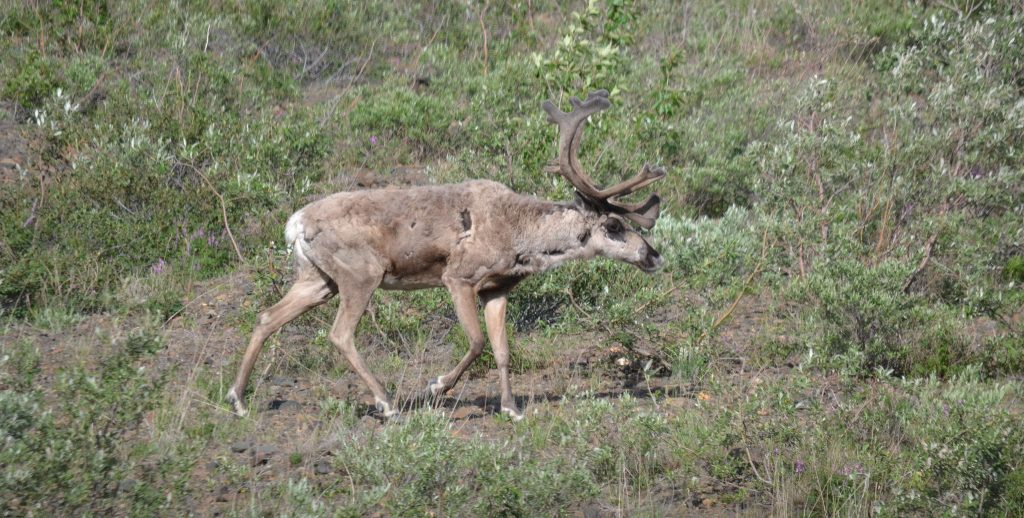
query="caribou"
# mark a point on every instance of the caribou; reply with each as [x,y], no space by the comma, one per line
[478,239]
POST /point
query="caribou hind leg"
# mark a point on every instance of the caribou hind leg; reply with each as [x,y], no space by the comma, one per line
[355,297]
[311,288]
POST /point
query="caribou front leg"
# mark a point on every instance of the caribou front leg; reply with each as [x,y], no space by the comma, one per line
[494,316]
[465,308]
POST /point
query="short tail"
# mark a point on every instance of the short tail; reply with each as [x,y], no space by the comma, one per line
[295,235]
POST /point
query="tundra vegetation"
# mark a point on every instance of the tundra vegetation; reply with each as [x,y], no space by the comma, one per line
[837,328]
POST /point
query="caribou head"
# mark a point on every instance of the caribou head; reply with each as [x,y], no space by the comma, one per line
[615,239]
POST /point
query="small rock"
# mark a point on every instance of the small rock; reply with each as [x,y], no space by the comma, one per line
[126,485]
[283,381]
[283,404]
[261,454]
[464,412]
[241,446]
[265,449]
[322,467]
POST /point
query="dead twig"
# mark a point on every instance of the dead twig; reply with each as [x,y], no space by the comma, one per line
[823,203]
[419,57]
[483,28]
[928,247]
[642,307]
[223,209]
[582,311]
[743,290]
[750,458]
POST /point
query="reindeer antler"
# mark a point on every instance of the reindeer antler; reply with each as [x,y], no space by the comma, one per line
[570,132]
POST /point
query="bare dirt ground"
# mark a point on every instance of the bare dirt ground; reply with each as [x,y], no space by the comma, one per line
[285,422]
[287,437]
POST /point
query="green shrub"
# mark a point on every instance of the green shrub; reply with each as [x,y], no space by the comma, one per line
[417,467]
[710,191]
[30,79]
[1014,270]
[862,314]
[137,202]
[710,252]
[592,52]
[962,446]
[398,115]
[68,455]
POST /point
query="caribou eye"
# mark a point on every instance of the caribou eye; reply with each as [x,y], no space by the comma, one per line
[613,226]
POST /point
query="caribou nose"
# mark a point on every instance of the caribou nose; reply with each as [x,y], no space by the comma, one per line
[653,261]
[657,259]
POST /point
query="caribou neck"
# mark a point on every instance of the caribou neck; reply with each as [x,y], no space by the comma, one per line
[561,233]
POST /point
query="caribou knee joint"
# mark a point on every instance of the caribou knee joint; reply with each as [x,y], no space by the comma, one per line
[476,347]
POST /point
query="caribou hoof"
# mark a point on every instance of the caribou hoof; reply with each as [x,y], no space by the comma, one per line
[513,413]
[435,389]
[236,403]
[385,409]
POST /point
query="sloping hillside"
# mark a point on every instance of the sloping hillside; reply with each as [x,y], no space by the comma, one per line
[837,329]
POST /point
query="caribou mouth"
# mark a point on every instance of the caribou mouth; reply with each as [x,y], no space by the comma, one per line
[651,263]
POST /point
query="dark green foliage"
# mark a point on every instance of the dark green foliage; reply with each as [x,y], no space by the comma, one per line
[32,79]
[963,449]
[710,191]
[420,121]
[1014,270]
[593,50]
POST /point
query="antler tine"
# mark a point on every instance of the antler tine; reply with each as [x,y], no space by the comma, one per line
[647,176]
[570,133]
[570,130]
[644,214]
